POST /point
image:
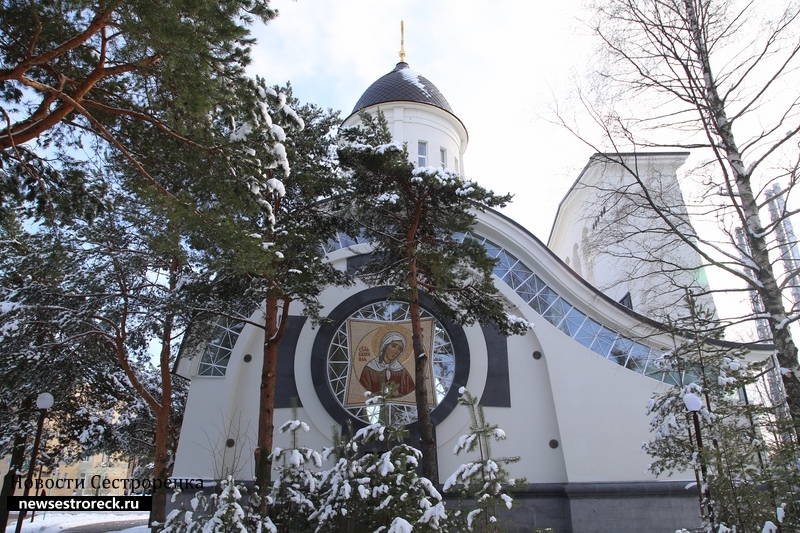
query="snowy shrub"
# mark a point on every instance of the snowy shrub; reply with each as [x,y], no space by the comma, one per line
[218,513]
[374,485]
[182,520]
[484,480]
[298,481]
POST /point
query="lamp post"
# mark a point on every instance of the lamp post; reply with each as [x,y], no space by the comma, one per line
[44,402]
[694,405]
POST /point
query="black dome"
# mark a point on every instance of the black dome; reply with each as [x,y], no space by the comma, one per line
[402,85]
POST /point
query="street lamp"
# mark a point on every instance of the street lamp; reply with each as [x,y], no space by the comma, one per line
[694,405]
[43,403]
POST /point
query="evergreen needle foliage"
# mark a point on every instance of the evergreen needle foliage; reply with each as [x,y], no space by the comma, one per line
[225,512]
[294,492]
[485,480]
[416,219]
[78,76]
[720,422]
[375,485]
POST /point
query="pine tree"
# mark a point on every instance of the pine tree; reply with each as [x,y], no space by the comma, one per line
[74,75]
[37,355]
[415,219]
[117,289]
[212,147]
[266,251]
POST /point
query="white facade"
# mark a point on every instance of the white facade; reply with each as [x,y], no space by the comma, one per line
[592,407]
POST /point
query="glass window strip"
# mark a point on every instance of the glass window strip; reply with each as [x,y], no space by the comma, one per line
[604,342]
[541,298]
[601,339]
[217,353]
[572,322]
[619,352]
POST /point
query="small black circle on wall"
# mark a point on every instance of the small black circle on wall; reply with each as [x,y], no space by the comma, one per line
[553,443]
[248,358]
[537,355]
[229,443]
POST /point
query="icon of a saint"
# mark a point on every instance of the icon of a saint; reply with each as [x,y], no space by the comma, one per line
[386,368]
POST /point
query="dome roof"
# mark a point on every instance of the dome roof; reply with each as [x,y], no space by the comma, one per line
[402,85]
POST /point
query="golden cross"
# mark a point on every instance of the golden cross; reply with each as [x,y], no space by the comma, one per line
[402,42]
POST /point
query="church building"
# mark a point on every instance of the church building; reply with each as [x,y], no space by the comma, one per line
[571,394]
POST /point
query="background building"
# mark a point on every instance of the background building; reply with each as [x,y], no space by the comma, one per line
[97,467]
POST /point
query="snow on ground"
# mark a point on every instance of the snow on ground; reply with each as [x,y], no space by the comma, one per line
[55,522]
[137,529]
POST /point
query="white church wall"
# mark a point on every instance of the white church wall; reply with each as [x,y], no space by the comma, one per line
[318,416]
[592,407]
[601,411]
[220,408]
[592,401]
[193,459]
[531,422]
[573,396]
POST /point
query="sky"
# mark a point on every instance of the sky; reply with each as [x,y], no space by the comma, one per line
[503,67]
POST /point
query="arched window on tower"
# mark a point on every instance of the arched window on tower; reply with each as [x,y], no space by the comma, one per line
[576,260]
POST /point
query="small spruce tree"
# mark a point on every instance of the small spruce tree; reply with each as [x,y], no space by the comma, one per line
[225,512]
[375,486]
[295,489]
[484,481]
[743,453]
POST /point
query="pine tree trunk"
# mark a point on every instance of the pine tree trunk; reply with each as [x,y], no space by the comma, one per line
[266,406]
[427,432]
[17,458]
[159,512]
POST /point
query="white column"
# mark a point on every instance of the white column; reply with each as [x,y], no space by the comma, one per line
[397,129]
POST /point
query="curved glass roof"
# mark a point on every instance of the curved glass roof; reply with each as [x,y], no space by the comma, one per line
[605,341]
